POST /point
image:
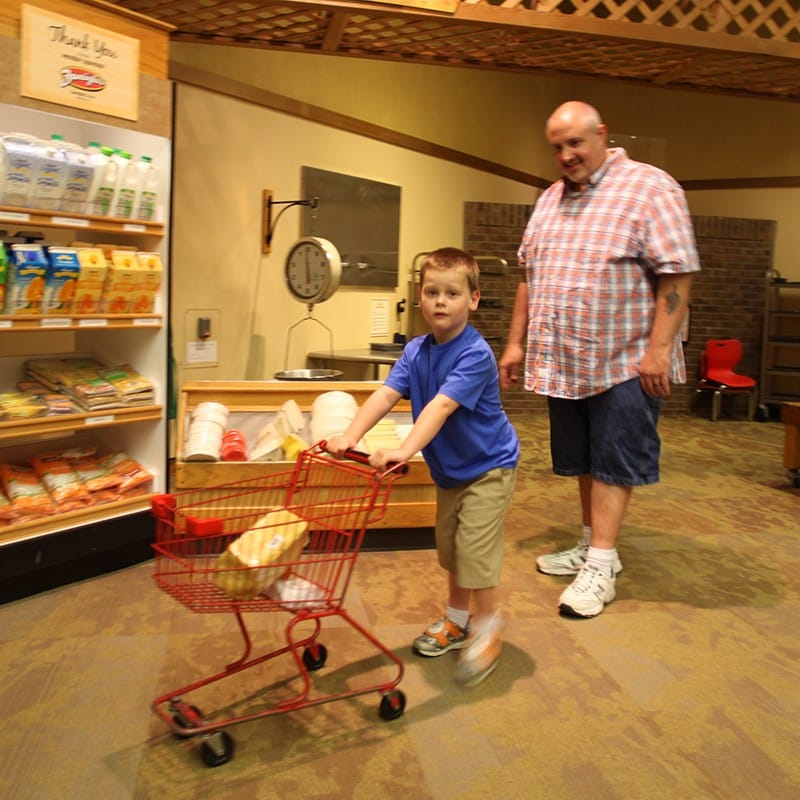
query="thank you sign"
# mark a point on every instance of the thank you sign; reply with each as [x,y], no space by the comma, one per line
[72,63]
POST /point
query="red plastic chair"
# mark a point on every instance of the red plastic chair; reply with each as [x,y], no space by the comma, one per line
[718,374]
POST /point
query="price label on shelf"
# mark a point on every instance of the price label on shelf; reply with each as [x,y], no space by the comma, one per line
[103,420]
[73,223]
[92,323]
[15,216]
[55,322]
[146,321]
[133,227]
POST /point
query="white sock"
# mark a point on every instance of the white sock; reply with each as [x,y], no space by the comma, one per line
[493,623]
[458,615]
[587,534]
[602,559]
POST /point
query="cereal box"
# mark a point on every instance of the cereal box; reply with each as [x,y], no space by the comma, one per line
[91,280]
[27,271]
[59,285]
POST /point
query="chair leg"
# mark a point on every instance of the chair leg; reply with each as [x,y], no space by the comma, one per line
[716,402]
[751,404]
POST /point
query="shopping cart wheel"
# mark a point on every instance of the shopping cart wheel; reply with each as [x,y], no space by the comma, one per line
[315,656]
[216,748]
[186,716]
[393,704]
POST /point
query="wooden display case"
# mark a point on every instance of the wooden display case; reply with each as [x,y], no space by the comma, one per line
[413,501]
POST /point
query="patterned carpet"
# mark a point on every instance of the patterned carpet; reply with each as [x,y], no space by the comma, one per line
[687,687]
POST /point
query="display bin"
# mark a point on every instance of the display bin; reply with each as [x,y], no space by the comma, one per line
[413,501]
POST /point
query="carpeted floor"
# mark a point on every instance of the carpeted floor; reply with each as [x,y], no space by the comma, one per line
[687,687]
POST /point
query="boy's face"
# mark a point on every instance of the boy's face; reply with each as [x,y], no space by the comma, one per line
[446,300]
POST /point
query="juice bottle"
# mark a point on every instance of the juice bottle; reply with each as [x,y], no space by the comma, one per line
[147,201]
[105,184]
[127,187]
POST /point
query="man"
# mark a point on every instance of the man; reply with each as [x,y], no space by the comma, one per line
[609,254]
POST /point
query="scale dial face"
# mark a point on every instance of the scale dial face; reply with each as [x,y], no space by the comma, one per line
[313,269]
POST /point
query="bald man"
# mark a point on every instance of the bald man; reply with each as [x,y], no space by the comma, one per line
[608,256]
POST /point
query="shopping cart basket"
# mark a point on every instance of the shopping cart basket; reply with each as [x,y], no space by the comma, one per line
[285,542]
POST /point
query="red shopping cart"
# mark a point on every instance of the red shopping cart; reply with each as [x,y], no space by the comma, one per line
[286,542]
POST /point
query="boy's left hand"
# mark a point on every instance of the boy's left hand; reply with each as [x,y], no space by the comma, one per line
[383,459]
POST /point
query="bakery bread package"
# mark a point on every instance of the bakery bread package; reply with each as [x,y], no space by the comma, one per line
[261,555]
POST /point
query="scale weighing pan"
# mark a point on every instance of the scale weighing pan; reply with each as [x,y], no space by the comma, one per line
[309,375]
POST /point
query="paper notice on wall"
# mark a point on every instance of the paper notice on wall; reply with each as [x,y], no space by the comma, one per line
[379,318]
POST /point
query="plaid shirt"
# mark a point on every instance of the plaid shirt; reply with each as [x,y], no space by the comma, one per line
[592,261]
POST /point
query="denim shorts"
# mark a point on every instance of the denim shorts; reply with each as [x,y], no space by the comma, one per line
[611,436]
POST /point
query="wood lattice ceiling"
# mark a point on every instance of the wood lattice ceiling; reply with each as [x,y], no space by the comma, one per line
[744,47]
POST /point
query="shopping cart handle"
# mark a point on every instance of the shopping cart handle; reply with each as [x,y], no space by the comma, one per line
[399,467]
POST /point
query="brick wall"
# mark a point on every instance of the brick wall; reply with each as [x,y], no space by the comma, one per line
[727,295]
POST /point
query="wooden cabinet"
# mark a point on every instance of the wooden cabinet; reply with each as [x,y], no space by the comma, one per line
[780,366]
[255,403]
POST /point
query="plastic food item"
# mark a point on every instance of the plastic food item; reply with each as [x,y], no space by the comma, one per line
[60,480]
[244,570]
[27,494]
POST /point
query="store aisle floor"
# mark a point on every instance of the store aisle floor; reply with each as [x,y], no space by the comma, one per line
[687,686]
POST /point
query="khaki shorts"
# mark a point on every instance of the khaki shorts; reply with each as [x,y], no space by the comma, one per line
[470,523]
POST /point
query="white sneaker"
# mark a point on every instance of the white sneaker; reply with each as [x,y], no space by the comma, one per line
[588,594]
[569,562]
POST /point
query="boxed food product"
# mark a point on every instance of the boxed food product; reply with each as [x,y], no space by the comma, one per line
[3,275]
[261,555]
[62,275]
[91,280]
[27,271]
[151,272]
[121,282]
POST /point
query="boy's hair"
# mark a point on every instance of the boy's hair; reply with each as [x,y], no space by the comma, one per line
[451,258]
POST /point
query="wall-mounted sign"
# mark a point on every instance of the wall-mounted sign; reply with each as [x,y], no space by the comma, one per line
[75,64]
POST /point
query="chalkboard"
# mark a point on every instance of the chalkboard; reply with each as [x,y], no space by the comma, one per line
[362,219]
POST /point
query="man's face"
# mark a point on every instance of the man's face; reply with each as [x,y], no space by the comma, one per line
[579,146]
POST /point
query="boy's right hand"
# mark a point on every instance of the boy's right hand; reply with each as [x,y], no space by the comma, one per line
[338,445]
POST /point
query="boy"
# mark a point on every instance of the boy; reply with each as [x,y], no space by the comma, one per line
[471,449]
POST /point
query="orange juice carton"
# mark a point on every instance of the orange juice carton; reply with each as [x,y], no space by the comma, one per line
[121,282]
[27,271]
[62,276]
[91,279]
[151,272]
[3,275]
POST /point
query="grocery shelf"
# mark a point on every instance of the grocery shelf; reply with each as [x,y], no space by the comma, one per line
[68,220]
[75,322]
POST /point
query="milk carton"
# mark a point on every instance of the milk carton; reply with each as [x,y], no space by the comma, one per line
[78,184]
[62,275]
[27,271]
[91,280]
[151,272]
[19,166]
[121,282]
[50,175]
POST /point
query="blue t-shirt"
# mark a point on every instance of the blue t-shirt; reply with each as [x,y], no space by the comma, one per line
[478,435]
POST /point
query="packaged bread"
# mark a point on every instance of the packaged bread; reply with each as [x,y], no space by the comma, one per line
[261,555]
[133,476]
[61,481]
[27,493]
